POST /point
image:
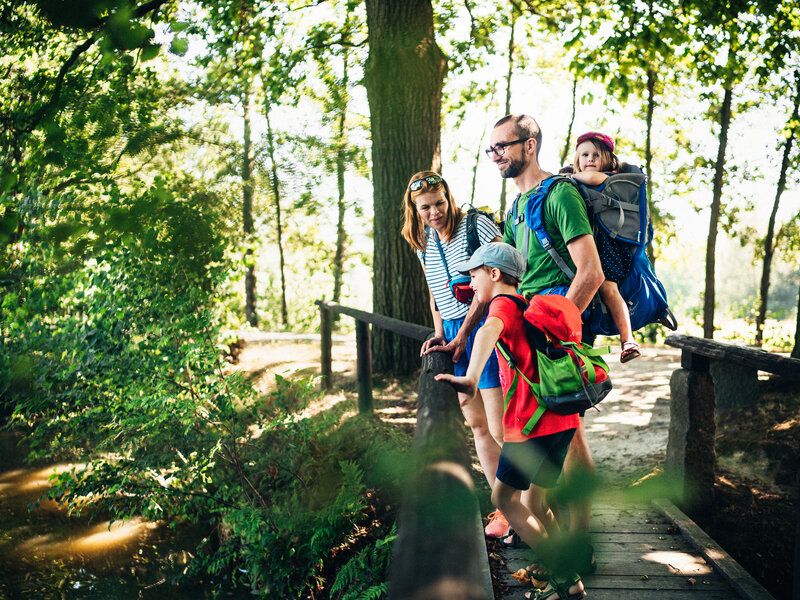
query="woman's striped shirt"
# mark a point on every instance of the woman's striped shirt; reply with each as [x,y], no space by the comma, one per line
[455,253]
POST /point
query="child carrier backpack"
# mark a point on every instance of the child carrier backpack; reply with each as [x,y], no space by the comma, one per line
[572,377]
[619,207]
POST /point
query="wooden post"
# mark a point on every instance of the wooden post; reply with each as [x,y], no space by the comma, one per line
[796,570]
[325,346]
[364,367]
[440,552]
[691,453]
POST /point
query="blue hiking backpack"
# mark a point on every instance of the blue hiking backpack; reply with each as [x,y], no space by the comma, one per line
[618,206]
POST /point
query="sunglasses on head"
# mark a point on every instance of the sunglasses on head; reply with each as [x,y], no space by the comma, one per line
[430,180]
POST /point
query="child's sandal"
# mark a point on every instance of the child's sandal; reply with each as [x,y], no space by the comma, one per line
[560,588]
[630,350]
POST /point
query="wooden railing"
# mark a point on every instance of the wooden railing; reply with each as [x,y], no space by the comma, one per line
[440,551]
[714,377]
[363,344]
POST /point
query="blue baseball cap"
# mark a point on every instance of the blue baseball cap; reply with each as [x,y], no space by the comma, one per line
[498,255]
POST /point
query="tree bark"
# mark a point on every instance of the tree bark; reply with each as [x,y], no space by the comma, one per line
[508,98]
[341,163]
[796,349]
[247,211]
[769,239]
[276,192]
[568,140]
[711,245]
[403,77]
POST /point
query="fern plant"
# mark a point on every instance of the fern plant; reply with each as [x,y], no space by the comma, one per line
[363,577]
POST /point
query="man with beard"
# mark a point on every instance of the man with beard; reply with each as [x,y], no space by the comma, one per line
[515,144]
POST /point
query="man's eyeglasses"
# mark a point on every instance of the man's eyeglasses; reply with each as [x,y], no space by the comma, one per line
[500,148]
[430,180]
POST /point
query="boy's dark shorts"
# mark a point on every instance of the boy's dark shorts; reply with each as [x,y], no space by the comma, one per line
[538,460]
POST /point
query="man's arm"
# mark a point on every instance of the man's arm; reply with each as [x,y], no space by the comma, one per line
[483,347]
[588,271]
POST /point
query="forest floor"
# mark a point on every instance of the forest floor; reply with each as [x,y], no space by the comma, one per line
[758,448]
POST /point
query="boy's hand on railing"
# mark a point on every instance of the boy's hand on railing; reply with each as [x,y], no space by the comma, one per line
[462,384]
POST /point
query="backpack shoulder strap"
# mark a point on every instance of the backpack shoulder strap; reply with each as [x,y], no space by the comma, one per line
[473,240]
[534,216]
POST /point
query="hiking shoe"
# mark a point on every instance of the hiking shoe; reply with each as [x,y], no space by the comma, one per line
[498,526]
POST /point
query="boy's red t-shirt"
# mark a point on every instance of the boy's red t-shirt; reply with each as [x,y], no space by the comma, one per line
[523,404]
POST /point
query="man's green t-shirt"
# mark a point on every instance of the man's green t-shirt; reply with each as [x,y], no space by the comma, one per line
[565,218]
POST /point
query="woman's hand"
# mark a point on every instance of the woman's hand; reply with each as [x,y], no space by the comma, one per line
[437,342]
[457,346]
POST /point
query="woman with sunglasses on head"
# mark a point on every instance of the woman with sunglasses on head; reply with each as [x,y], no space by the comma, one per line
[437,229]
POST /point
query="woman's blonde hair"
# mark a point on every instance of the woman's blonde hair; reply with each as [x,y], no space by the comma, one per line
[414,228]
[608,157]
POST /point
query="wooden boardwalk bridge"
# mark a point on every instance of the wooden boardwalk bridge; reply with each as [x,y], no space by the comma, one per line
[647,551]
[642,553]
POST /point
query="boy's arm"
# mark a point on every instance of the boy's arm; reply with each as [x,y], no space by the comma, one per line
[482,348]
[590,177]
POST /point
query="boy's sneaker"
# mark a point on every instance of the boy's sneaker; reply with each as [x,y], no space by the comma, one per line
[498,526]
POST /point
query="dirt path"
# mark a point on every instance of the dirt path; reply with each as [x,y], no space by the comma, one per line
[628,436]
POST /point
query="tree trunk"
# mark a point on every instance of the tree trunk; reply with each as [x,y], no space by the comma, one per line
[648,148]
[508,98]
[709,300]
[796,349]
[568,140]
[341,163]
[403,77]
[769,239]
[276,192]
[247,213]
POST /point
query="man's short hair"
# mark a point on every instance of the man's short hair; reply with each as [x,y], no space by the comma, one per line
[525,126]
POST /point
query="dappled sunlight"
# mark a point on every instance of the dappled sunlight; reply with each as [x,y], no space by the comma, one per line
[95,541]
[633,420]
[27,482]
[680,563]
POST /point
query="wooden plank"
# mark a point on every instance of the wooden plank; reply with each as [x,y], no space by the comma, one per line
[642,582]
[741,580]
[411,330]
[693,594]
[364,367]
[754,358]
[626,563]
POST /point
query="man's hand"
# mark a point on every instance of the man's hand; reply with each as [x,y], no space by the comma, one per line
[457,346]
[463,385]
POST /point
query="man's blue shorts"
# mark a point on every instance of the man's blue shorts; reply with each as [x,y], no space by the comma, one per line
[491,372]
[537,461]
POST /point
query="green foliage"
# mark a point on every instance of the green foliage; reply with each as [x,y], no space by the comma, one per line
[361,578]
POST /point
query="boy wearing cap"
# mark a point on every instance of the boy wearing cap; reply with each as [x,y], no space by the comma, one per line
[533,460]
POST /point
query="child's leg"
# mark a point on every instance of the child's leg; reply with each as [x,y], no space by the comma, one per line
[507,499]
[535,500]
[609,292]
[493,405]
[486,447]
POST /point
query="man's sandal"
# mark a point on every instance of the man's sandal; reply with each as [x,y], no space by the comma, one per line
[559,588]
[630,350]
